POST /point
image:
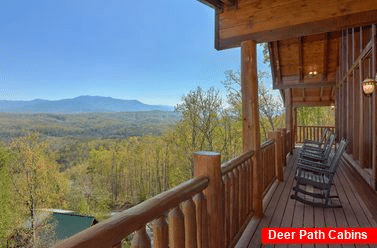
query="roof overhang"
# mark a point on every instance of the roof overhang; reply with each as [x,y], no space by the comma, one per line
[271,20]
[307,65]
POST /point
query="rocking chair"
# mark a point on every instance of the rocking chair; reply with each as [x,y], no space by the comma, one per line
[320,178]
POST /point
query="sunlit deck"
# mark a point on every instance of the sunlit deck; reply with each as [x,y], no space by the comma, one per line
[281,211]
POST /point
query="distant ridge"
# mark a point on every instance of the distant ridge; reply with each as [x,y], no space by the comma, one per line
[81,104]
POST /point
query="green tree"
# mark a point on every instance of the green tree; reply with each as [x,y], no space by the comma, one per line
[315,116]
[36,181]
[7,210]
[270,102]
[200,111]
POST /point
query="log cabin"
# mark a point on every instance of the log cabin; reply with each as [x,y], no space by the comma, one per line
[320,51]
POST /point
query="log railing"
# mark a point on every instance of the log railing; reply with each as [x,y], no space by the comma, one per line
[237,177]
[178,216]
[268,164]
[210,210]
[311,132]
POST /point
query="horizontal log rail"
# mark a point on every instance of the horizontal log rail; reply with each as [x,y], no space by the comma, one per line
[311,132]
[111,232]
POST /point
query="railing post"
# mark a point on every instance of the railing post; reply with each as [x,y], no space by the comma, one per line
[141,239]
[201,220]
[176,228]
[160,233]
[283,133]
[257,184]
[189,213]
[209,164]
[276,137]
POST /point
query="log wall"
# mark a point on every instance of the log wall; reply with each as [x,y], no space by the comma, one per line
[355,112]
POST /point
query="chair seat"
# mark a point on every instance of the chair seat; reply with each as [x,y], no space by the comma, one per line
[307,176]
[318,175]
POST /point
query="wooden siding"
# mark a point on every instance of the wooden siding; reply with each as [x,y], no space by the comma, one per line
[307,65]
[356,119]
[271,20]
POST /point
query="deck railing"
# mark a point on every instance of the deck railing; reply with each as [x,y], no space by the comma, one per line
[237,177]
[311,132]
[179,219]
[210,210]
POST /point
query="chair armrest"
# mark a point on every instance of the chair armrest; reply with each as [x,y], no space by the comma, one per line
[313,169]
[311,142]
[311,163]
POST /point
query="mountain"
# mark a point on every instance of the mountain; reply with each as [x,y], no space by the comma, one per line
[81,104]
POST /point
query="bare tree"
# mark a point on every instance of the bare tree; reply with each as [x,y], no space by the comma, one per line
[270,103]
[201,110]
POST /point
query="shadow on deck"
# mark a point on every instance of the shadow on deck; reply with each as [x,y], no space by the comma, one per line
[281,211]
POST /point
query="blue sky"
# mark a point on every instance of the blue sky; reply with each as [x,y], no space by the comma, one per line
[151,51]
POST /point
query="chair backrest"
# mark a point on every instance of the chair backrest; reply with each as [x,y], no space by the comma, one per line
[323,136]
[328,147]
[326,140]
[330,158]
[338,154]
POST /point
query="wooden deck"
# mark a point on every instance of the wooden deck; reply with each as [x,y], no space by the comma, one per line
[281,211]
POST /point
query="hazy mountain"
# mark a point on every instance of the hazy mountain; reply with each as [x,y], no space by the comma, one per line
[81,104]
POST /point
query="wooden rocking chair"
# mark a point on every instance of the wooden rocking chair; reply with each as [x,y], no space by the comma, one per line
[318,154]
[319,176]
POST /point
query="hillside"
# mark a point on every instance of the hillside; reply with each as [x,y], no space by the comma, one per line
[87,125]
[81,104]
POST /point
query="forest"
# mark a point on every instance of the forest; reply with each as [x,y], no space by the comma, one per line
[98,164]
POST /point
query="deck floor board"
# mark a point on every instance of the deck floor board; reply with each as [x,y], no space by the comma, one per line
[281,211]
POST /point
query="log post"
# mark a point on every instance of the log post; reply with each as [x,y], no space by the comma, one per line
[160,233]
[141,239]
[188,208]
[374,109]
[283,133]
[294,139]
[289,115]
[275,136]
[361,119]
[201,220]
[176,228]
[250,110]
[209,164]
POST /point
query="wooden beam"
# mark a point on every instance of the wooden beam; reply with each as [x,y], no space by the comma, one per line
[216,4]
[325,57]
[217,28]
[273,63]
[288,110]
[277,61]
[354,92]
[316,84]
[229,2]
[262,22]
[347,96]
[361,119]
[311,103]
[364,53]
[249,90]
[249,85]
[294,127]
[321,94]
[374,109]
[300,61]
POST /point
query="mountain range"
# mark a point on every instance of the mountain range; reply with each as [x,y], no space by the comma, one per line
[81,104]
